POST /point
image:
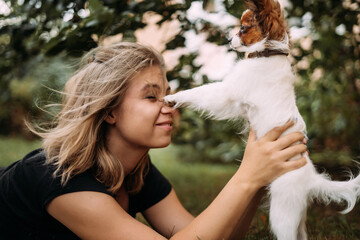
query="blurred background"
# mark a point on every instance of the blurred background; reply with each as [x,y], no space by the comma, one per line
[41,42]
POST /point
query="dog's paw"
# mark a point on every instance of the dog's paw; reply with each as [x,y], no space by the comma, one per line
[169,100]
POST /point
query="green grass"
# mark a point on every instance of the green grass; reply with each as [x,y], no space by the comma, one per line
[12,149]
[198,183]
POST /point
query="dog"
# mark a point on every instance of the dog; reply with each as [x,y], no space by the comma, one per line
[260,89]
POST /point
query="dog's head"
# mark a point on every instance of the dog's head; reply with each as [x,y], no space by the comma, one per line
[263,26]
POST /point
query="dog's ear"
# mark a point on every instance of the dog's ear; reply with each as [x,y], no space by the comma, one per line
[256,6]
[252,5]
[272,20]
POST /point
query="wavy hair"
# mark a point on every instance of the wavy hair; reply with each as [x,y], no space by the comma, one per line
[76,141]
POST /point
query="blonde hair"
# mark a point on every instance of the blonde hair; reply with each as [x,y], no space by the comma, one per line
[76,142]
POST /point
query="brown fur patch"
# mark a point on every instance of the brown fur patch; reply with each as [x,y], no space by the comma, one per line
[251,33]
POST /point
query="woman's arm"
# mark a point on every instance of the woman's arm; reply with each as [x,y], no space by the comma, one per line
[168,216]
[243,225]
[93,215]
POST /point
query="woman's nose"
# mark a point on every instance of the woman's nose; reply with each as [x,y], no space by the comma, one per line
[166,108]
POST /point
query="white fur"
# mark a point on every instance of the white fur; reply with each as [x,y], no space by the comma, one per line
[238,45]
[261,90]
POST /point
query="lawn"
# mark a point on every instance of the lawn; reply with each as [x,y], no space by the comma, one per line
[198,183]
[12,149]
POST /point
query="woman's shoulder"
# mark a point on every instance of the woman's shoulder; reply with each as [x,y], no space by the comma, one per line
[85,181]
[25,167]
[35,154]
[35,176]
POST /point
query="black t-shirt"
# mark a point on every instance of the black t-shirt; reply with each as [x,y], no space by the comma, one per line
[27,186]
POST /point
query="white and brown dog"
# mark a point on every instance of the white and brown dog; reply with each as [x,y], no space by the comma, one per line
[260,89]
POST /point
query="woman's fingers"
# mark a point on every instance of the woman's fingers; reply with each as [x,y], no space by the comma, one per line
[267,158]
[295,164]
[289,139]
[292,151]
[276,132]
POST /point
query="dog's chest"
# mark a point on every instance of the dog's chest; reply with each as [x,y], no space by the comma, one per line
[261,81]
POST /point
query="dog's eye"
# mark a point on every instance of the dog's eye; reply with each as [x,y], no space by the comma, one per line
[244,29]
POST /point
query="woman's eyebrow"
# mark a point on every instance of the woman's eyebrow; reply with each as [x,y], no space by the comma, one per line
[152,86]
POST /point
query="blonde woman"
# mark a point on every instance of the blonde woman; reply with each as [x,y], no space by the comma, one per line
[93,173]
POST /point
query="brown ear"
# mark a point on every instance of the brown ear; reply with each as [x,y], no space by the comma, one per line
[256,6]
[251,5]
[274,23]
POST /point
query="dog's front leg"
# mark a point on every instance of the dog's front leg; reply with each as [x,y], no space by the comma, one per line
[207,97]
[215,99]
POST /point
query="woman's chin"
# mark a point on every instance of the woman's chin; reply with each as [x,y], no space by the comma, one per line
[162,144]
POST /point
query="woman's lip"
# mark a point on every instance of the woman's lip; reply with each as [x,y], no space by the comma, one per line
[167,125]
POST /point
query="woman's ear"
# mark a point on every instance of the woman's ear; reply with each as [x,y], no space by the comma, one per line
[110,119]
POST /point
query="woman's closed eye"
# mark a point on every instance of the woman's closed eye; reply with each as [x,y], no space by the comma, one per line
[151,97]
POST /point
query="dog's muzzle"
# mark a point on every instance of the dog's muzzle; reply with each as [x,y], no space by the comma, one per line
[235,42]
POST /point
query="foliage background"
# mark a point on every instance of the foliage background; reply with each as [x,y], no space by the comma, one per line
[41,40]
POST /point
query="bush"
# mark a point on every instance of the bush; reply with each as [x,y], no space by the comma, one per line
[27,95]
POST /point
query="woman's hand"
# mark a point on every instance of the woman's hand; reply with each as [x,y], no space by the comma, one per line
[267,158]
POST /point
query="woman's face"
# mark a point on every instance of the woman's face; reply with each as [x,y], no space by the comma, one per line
[143,120]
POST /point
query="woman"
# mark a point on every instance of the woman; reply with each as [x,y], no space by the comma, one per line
[93,173]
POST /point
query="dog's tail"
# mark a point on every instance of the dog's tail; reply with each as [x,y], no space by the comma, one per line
[326,191]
